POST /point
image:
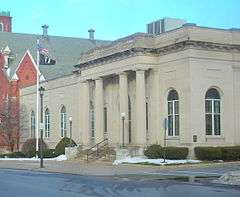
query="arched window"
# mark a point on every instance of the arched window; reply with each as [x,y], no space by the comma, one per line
[47,123]
[213,112]
[173,113]
[1,27]
[33,124]
[63,122]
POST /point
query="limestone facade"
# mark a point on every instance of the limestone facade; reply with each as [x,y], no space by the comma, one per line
[134,76]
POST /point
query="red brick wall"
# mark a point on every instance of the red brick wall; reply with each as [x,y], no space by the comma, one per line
[26,77]
[26,72]
[7,23]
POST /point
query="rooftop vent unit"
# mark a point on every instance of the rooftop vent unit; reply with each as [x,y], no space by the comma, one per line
[163,25]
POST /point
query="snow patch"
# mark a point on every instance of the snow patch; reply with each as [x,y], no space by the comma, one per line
[135,160]
[59,158]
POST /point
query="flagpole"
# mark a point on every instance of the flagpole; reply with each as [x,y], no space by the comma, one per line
[37,103]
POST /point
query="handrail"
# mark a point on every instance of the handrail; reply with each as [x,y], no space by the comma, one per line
[96,145]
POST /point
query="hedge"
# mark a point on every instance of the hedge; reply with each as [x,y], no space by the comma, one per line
[29,147]
[153,152]
[176,152]
[208,153]
[156,152]
[65,142]
[231,153]
[13,155]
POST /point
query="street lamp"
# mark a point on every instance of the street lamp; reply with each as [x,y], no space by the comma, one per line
[41,91]
[70,123]
[123,115]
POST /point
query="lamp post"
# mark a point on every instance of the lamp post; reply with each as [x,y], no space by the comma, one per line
[123,115]
[41,91]
[70,124]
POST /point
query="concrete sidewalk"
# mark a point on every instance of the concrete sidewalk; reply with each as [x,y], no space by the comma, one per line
[106,168]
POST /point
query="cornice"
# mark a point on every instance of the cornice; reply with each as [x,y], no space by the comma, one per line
[140,51]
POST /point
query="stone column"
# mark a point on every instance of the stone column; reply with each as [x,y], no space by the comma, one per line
[123,101]
[99,116]
[140,108]
[85,107]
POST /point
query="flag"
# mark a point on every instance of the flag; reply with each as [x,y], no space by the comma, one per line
[44,57]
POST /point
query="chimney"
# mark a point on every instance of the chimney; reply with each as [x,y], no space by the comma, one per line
[91,34]
[45,31]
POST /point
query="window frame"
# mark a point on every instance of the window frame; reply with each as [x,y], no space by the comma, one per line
[63,122]
[2,27]
[172,113]
[33,125]
[214,112]
[47,123]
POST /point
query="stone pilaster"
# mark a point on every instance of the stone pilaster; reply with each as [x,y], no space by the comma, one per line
[99,105]
[156,133]
[85,107]
[140,108]
[123,101]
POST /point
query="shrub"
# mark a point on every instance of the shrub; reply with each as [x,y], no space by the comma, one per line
[48,153]
[208,153]
[153,152]
[176,152]
[231,153]
[13,155]
[29,147]
[64,142]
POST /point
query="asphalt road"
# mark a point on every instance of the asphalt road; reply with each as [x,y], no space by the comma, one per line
[23,183]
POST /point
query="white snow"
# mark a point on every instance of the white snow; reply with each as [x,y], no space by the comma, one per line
[135,160]
[59,158]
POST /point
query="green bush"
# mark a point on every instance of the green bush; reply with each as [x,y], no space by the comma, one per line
[208,153]
[29,147]
[156,152]
[231,153]
[176,152]
[48,153]
[65,142]
[13,155]
[153,152]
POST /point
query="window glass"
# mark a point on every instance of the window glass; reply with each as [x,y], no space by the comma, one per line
[213,110]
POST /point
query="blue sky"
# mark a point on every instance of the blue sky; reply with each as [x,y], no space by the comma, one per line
[113,19]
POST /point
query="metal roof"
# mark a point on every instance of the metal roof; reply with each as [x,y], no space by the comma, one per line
[65,50]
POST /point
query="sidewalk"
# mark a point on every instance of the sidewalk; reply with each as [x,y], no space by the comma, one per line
[106,168]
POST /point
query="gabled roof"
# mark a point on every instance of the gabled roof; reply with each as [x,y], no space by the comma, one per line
[65,50]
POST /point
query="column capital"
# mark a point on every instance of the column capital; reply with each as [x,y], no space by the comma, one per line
[98,79]
[142,67]
[155,70]
[122,73]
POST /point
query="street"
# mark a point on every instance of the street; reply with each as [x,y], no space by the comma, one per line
[26,183]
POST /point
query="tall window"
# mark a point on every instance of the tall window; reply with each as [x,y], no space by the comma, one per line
[33,124]
[47,123]
[213,112]
[1,27]
[63,122]
[173,113]
[129,121]
[92,117]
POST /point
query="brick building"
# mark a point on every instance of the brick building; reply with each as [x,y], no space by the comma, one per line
[18,62]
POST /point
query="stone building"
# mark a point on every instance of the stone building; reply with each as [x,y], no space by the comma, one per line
[189,76]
